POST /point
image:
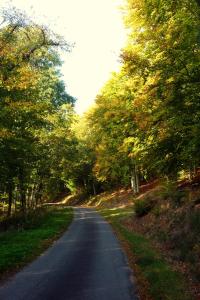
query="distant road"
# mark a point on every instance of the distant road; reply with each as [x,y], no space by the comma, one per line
[86,263]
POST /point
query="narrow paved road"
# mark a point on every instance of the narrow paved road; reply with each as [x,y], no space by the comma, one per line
[86,263]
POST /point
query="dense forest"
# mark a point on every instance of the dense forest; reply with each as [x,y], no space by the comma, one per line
[134,156]
[145,122]
[36,113]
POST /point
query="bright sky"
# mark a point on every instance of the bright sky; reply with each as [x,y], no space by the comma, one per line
[96,27]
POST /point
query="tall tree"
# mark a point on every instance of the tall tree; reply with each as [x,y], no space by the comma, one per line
[33,100]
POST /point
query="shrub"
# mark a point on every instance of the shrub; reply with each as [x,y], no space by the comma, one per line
[194,222]
[20,221]
[157,211]
[143,207]
[171,192]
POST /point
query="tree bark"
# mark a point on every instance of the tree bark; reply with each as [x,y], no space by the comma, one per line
[10,199]
[135,180]
[94,189]
[85,183]
[22,193]
[23,201]
[133,185]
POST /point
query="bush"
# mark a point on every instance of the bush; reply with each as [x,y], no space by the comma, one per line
[170,192]
[143,207]
[194,222]
[23,221]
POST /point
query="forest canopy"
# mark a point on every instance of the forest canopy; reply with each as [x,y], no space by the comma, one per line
[36,112]
[146,120]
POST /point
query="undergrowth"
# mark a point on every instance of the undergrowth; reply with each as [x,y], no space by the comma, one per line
[21,245]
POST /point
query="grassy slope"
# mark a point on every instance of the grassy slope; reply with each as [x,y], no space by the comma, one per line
[17,247]
[156,279]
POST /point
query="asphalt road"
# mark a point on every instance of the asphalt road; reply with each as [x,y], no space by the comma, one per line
[86,263]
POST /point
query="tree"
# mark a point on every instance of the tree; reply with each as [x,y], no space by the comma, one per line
[33,100]
[112,122]
[147,117]
[163,49]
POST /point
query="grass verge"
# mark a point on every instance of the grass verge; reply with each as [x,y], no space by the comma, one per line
[153,273]
[20,246]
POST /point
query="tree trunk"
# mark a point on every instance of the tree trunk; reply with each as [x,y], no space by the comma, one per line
[85,183]
[133,184]
[194,170]
[94,189]
[190,175]
[29,198]
[16,198]
[22,195]
[10,199]
[32,197]
[137,181]
[23,201]
[134,180]
[4,202]
[22,189]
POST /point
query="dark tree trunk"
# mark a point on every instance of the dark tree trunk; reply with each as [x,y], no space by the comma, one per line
[10,199]
[22,193]
[85,183]
[23,201]
[94,189]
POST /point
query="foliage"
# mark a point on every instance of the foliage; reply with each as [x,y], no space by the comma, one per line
[110,123]
[173,194]
[164,47]
[35,113]
[186,239]
[147,115]
[143,206]
[144,124]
